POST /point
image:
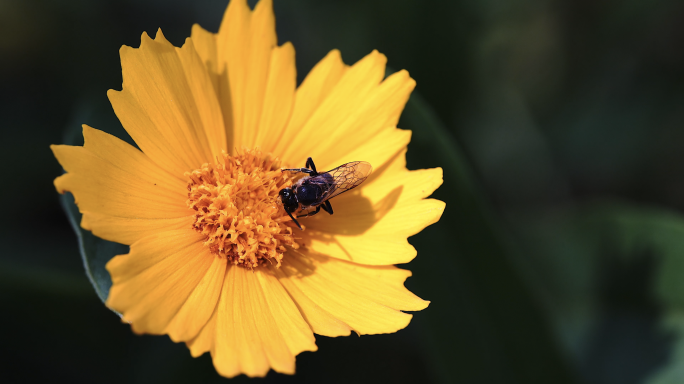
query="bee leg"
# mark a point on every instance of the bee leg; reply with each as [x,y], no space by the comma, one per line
[303,170]
[310,165]
[327,207]
[293,219]
[318,209]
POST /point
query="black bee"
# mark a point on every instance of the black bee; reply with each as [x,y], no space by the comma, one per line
[316,189]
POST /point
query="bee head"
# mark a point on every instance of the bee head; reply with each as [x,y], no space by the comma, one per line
[289,199]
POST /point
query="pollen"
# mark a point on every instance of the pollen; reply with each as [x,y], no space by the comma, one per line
[238,209]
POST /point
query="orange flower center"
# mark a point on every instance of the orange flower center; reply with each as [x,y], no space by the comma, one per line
[238,209]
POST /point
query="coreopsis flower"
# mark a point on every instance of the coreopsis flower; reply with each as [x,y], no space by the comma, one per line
[215,261]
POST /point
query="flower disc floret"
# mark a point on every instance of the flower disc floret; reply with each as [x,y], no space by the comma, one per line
[237,208]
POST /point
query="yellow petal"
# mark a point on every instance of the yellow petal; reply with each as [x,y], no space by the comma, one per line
[124,156]
[153,281]
[359,107]
[257,328]
[369,299]
[115,182]
[292,326]
[206,338]
[278,98]
[320,320]
[387,146]
[143,131]
[245,43]
[200,305]
[206,46]
[158,108]
[341,106]
[311,93]
[128,230]
[414,185]
[370,226]
[206,101]
[100,187]
[379,112]
[136,171]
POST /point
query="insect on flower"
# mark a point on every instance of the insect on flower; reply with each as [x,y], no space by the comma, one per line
[202,201]
[316,189]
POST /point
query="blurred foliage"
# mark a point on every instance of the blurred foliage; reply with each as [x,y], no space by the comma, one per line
[558,123]
[499,321]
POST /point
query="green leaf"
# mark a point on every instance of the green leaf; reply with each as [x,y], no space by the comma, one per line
[95,252]
[660,233]
[604,265]
[484,324]
[673,372]
[592,266]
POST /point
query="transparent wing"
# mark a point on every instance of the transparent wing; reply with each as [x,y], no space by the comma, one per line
[347,176]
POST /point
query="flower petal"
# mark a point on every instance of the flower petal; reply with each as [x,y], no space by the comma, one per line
[379,151]
[341,106]
[278,98]
[157,106]
[113,181]
[153,282]
[379,112]
[205,340]
[250,339]
[125,156]
[332,294]
[245,42]
[320,321]
[311,93]
[360,106]
[206,45]
[128,230]
[206,101]
[371,226]
[200,305]
[293,328]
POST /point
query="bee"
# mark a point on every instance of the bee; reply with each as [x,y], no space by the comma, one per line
[316,189]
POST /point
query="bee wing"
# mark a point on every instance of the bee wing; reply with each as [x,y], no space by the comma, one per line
[347,176]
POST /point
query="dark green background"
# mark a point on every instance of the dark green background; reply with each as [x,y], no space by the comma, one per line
[559,125]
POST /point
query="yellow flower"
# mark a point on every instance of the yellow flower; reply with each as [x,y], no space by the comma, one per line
[215,261]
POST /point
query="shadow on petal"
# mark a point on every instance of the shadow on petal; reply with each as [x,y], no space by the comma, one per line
[298,264]
[354,216]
